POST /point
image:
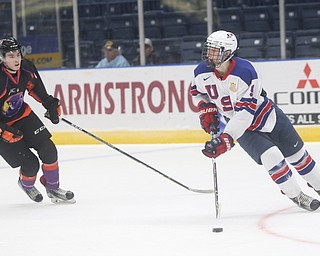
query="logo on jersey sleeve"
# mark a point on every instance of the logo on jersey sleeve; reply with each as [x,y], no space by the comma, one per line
[12,105]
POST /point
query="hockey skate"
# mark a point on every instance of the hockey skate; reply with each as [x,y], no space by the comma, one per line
[306,202]
[58,195]
[32,193]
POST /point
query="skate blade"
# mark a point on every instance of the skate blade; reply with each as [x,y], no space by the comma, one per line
[60,201]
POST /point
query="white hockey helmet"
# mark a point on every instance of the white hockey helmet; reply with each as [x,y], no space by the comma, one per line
[227,44]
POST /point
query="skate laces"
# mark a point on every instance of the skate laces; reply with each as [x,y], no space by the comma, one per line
[303,199]
[32,192]
[306,202]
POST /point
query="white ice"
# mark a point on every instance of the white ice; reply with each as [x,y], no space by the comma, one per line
[126,209]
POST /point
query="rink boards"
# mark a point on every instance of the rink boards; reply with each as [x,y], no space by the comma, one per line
[308,134]
[153,104]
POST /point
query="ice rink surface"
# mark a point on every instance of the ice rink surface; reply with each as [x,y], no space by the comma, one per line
[125,209]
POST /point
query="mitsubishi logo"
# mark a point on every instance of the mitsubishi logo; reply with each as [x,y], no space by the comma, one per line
[302,83]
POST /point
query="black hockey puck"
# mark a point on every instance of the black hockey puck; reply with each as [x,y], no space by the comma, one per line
[217,230]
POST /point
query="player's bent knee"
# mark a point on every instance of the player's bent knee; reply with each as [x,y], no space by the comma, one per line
[297,156]
[47,152]
[30,166]
[271,157]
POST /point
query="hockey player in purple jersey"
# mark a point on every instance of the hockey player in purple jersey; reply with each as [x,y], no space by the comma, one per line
[230,86]
[21,131]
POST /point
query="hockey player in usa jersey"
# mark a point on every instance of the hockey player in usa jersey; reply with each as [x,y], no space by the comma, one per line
[231,87]
[20,128]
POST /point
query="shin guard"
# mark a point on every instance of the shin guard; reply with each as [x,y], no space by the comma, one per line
[27,182]
[51,175]
[282,176]
[308,169]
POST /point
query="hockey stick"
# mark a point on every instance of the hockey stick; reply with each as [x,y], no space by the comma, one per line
[215,181]
[206,191]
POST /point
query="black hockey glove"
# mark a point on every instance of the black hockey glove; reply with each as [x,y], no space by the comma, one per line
[53,109]
[10,134]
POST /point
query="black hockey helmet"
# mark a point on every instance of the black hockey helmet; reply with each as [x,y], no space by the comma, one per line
[8,45]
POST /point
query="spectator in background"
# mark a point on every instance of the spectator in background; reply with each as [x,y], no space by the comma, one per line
[112,57]
[151,57]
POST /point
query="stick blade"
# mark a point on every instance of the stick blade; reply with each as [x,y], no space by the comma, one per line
[201,191]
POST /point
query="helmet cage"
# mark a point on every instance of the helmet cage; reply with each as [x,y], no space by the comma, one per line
[224,55]
[227,44]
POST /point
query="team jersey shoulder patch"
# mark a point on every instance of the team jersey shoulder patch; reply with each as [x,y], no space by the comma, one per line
[233,87]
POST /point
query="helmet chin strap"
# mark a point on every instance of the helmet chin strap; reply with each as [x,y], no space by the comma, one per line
[227,59]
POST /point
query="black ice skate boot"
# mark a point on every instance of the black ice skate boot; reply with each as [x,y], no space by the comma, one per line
[306,202]
[33,193]
[58,195]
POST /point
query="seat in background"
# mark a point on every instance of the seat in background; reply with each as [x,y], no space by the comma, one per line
[230,19]
[93,29]
[152,25]
[191,48]
[257,19]
[91,10]
[292,17]
[168,49]
[198,23]
[310,16]
[174,24]
[273,45]
[307,43]
[251,45]
[116,8]
[123,26]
